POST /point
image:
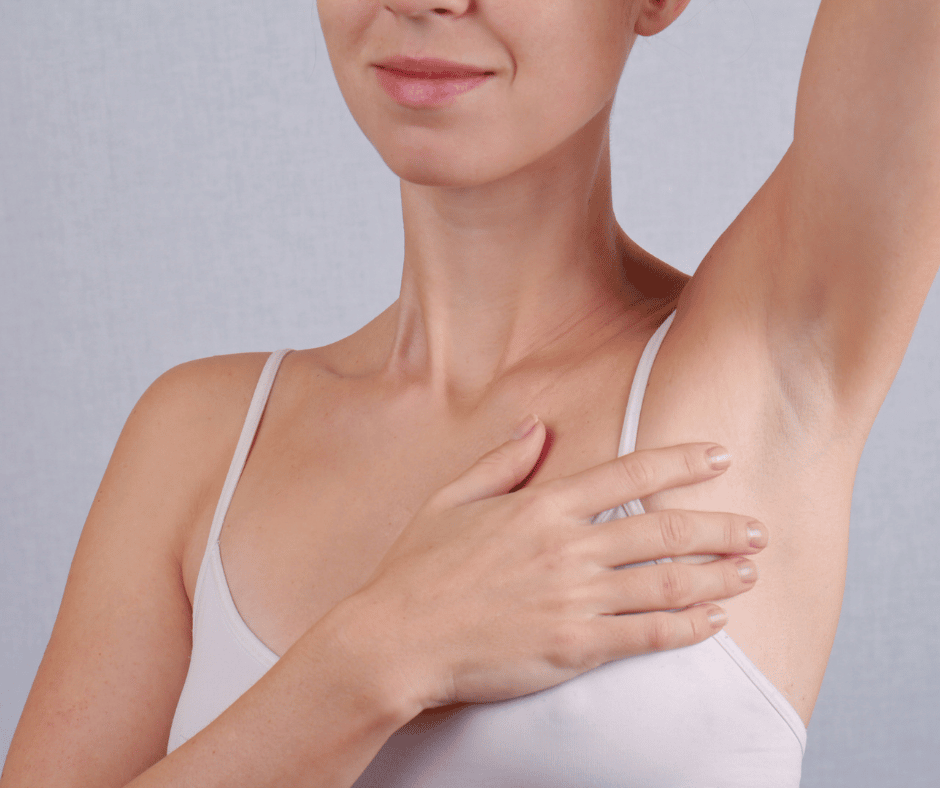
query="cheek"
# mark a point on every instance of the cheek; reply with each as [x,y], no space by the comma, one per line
[351,37]
[345,25]
[579,47]
[565,80]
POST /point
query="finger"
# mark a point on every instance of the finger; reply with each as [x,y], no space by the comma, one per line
[672,585]
[673,532]
[637,475]
[497,472]
[618,637]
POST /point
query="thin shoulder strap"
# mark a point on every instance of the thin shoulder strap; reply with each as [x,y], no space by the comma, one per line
[631,421]
[255,409]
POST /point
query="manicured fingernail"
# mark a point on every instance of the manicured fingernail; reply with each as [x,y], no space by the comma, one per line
[525,428]
[747,571]
[718,457]
[755,534]
[718,617]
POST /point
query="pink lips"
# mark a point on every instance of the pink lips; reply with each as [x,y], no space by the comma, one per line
[427,82]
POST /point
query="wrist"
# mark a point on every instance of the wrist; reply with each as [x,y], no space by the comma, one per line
[375,655]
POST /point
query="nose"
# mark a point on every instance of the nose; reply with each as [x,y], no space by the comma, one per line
[422,7]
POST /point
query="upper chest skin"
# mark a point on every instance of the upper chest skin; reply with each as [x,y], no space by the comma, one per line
[334,476]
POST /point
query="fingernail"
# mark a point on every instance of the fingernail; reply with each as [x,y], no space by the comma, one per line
[525,428]
[718,617]
[718,457]
[755,534]
[747,571]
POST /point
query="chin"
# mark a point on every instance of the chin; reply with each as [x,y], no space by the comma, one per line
[442,170]
[440,177]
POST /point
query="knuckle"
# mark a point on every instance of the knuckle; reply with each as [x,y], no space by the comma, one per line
[555,556]
[735,534]
[537,506]
[551,494]
[676,531]
[638,472]
[530,506]
[496,458]
[692,462]
[660,633]
[733,583]
[698,629]
[569,647]
[674,585]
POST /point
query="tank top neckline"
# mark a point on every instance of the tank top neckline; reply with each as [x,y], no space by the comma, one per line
[212,570]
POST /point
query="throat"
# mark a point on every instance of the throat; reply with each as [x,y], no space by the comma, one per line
[465,358]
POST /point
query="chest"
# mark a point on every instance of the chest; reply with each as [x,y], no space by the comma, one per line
[318,506]
[324,495]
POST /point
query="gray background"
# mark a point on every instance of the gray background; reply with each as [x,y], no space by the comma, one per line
[181,178]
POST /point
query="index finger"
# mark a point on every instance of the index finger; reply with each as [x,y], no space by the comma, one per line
[637,475]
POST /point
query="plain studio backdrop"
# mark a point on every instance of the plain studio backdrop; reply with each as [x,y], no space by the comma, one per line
[182,178]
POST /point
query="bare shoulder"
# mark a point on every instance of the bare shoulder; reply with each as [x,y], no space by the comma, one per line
[182,429]
[100,709]
[200,394]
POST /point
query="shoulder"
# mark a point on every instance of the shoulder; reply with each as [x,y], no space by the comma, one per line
[194,391]
[200,406]
[199,403]
[194,406]
[177,441]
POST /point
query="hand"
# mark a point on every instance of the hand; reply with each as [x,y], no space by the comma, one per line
[489,594]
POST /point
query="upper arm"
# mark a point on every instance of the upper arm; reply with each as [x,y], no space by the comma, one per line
[101,706]
[849,223]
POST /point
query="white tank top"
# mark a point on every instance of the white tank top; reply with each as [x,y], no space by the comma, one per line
[697,717]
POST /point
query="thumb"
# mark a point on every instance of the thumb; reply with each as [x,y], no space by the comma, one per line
[497,472]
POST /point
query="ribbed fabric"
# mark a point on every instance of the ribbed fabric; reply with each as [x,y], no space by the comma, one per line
[697,717]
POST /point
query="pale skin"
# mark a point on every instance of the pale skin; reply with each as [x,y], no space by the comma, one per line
[520,294]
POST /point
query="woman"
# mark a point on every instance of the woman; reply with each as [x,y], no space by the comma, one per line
[519,295]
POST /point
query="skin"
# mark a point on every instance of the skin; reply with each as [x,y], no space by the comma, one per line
[506,195]
[520,294]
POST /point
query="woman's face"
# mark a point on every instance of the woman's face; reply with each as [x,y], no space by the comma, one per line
[551,67]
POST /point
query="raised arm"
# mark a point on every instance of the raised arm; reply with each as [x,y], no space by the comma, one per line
[864,206]
[836,254]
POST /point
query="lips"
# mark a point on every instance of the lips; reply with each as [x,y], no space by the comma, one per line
[431,68]
[427,82]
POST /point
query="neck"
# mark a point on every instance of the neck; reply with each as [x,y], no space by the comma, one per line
[532,265]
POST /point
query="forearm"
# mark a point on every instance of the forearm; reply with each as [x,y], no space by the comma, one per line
[869,103]
[316,719]
[856,201]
